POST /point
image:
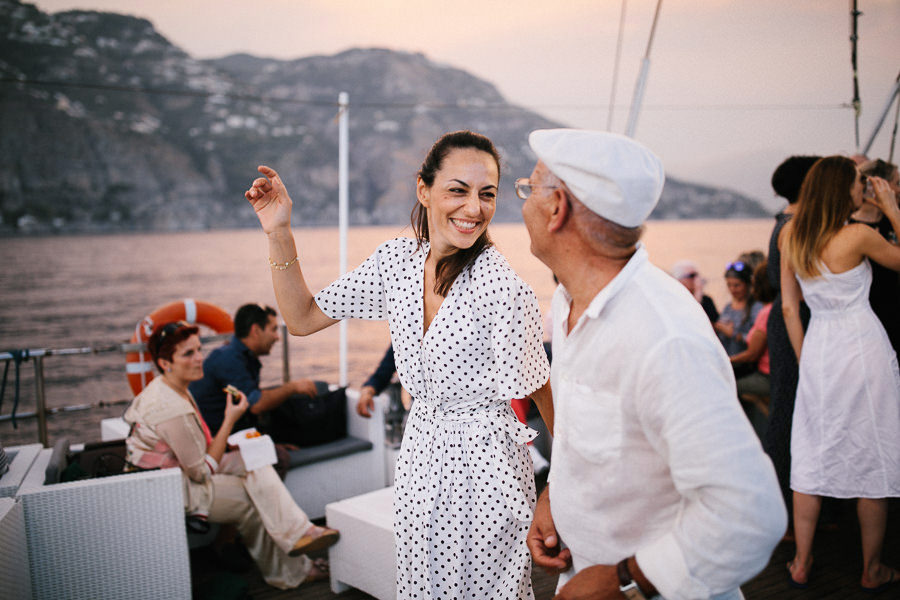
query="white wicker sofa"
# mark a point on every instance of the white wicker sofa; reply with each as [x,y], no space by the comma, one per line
[355,465]
[323,474]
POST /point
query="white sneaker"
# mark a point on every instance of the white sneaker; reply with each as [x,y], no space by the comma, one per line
[540,463]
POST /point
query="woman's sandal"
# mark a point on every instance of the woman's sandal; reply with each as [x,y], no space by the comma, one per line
[894,579]
[793,582]
[319,571]
[319,539]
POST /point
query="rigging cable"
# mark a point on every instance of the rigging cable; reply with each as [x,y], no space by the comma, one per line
[892,96]
[854,37]
[615,78]
[894,133]
[424,105]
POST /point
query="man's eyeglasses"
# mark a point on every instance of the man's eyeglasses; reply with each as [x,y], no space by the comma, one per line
[524,187]
[736,266]
[172,328]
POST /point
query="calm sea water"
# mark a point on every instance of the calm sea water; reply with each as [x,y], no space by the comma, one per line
[61,292]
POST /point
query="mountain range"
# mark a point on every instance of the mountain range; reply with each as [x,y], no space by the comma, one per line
[109,126]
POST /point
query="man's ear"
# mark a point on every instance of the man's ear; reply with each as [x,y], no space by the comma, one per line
[423,193]
[559,209]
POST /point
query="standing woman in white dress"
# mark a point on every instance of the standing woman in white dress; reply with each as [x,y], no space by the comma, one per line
[845,441]
[466,332]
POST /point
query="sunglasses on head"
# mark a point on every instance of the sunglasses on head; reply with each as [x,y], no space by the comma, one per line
[737,265]
[172,328]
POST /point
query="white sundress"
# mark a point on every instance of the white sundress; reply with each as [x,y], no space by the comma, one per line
[845,440]
[464,485]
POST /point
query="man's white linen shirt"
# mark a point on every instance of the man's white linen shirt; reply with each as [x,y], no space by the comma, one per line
[652,455]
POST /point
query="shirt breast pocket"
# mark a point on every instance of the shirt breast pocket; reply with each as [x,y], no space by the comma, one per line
[595,423]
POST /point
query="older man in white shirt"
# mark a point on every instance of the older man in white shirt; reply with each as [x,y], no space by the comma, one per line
[658,483]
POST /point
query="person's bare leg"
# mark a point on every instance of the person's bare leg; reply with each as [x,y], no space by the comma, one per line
[872,513]
[806,514]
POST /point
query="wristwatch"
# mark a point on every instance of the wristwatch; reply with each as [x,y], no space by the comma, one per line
[627,585]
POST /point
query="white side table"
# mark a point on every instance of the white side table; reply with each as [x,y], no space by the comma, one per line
[364,557]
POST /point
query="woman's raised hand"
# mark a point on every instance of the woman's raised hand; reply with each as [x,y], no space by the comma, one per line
[884,197]
[270,200]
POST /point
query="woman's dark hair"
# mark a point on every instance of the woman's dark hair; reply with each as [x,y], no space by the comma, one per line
[761,286]
[878,168]
[743,271]
[740,270]
[449,267]
[788,176]
[166,338]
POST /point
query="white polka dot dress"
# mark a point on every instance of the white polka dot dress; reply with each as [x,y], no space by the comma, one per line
[464,485]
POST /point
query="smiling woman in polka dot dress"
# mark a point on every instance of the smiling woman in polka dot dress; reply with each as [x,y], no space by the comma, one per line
[466,332]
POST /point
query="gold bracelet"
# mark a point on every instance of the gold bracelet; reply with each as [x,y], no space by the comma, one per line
[281,266]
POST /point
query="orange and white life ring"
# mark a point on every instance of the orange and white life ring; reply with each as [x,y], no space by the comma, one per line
[138,365]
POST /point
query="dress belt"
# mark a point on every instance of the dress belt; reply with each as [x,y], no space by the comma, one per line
[844,311]
[495,423]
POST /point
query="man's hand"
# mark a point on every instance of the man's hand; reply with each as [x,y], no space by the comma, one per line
[304,386]
[599,582]
[726,328]
[366,402]
[543,541]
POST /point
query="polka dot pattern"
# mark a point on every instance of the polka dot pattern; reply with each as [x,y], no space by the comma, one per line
[464,486]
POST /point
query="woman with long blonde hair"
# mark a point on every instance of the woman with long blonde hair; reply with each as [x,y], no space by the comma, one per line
[845,440]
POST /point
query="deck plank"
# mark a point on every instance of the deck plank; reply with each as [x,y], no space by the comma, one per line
[835,575]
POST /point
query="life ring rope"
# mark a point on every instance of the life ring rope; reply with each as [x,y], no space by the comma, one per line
[139,366]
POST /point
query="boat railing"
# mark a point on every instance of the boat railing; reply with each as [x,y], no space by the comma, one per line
[36,356]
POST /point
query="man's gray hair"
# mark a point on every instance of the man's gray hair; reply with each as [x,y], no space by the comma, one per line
[598,231]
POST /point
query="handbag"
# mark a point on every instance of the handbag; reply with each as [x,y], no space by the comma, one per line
[305,420]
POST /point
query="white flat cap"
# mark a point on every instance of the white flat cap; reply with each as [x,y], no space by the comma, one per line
[614,176]
[684,268]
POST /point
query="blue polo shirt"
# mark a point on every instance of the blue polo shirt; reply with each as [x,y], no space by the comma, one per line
[382,376]
[233,364]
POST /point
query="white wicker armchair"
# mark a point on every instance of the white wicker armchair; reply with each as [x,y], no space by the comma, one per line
[115,537]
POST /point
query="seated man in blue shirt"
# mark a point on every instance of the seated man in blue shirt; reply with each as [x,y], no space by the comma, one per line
[237,363]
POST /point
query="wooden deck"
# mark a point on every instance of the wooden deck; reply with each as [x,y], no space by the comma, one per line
[835,574]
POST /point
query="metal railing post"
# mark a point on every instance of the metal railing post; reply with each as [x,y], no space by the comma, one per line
[285,354]
[40,400]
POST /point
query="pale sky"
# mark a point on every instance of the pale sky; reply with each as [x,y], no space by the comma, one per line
[734,86]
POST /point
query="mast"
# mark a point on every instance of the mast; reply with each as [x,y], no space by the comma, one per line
[343,185]
[642,79]
[615,79]
[854,37]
